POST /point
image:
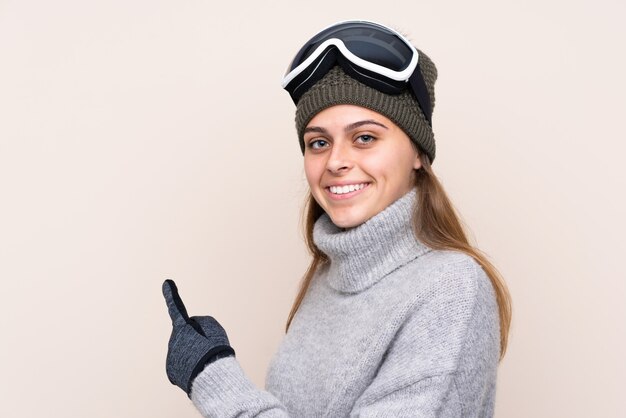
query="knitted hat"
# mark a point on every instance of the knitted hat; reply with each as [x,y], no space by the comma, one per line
[336,87]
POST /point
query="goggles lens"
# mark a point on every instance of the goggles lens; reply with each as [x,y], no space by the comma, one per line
[368,41]
[371,53]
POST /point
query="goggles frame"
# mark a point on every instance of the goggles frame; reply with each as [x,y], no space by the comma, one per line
[334,51]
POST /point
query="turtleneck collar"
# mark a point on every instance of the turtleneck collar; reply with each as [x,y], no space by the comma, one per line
[361,256]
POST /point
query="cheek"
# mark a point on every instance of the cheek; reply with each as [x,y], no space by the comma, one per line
[394,166]
[313,170]
[379,164]
[405,172]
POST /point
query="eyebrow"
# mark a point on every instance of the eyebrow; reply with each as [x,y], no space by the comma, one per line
[348,128]
[363,122]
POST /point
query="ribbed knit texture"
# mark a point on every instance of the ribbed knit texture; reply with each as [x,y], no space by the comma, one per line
[388,328]
[336,87]
[352,268]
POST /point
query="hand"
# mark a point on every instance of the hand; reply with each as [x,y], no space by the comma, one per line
[194,343]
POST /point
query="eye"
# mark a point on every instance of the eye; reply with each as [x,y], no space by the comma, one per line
[318,144]
[365,139]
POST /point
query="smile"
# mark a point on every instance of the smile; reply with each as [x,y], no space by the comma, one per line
[346,191]
[347,188]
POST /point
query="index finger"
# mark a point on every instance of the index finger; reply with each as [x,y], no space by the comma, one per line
[175,305]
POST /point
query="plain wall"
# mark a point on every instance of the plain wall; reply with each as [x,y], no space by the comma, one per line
[143,140]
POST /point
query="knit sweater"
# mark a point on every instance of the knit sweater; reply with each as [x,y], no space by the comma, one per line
[388,328]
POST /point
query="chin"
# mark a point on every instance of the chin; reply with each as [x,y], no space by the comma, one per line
[347,221]
[347,225]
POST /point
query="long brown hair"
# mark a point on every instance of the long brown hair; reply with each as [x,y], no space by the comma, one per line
[435,224]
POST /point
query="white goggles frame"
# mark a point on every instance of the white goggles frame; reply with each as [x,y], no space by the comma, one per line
[403,75]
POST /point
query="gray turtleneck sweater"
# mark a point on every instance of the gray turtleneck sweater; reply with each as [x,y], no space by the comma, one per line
[388,328]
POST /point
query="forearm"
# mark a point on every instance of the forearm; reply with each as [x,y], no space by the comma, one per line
[223,390]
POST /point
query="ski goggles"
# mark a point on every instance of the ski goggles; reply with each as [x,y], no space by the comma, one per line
[371,53]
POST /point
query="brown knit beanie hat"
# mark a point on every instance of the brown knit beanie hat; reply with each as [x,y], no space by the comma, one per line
[336,87]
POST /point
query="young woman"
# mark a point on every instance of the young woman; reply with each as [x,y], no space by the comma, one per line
[398,314]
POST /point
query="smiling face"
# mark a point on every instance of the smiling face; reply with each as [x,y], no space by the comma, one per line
[357,162]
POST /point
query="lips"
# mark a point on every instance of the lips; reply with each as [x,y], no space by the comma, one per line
[345,191]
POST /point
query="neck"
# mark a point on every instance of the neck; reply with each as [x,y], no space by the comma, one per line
[361,256]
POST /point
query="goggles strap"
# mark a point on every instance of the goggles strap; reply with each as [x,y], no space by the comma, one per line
[418,85]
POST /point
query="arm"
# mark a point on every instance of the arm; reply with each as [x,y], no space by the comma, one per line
[443,359]
[201,362]
[223,390]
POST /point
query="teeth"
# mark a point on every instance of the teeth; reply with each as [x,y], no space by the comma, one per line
[346,189]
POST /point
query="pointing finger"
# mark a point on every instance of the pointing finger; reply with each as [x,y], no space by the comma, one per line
[175,305]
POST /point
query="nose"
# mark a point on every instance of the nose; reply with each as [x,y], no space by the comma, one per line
[340,158]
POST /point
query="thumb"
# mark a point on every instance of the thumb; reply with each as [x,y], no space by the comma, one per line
[175,305]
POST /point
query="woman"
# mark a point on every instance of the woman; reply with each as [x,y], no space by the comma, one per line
[398,315]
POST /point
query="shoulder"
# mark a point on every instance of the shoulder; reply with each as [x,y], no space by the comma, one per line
[453,300]
[449,262]
[448,321]
[451,274]
[442,282]
[459,278]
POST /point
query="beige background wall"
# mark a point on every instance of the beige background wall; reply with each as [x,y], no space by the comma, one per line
[141,140]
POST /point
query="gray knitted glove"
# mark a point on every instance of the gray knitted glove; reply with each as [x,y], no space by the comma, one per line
[194,343]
